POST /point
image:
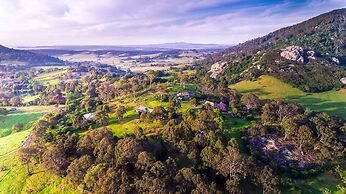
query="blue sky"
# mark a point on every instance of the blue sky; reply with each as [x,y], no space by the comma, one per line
[124,22]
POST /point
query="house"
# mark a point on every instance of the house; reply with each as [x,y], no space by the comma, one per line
[142,109]
[206,102]
[89,116]
[184,95]
[222,106]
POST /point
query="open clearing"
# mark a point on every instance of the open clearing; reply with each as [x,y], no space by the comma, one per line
[50,78]
[23,115]
[12,142]
[7,122]
[268,87]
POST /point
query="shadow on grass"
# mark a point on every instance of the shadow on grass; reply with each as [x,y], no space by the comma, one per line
[128,118]
[257,91]
[320,105]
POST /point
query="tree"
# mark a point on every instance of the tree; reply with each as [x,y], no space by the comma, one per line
[26,154]
[305,136]
[15,101]
[289,126]
[151,74]
[173,105]
[223,91]
[127,150]
[234,97]
[55,159]
[183,80]
[18,127]
[162,90]
[3,111]
[119,112]
[101,118]
[78,168]
[269,181]
[150,184]
[207,85]
[250,101]
[106,91]
[145,161]
[159,112]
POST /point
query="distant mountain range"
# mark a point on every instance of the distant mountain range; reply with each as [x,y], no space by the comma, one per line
[310,55]
[42,55]
[164,47]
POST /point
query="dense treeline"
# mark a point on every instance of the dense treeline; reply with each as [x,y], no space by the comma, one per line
[7,54]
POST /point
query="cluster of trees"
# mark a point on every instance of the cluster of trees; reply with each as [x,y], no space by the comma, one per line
[8,99]
[194,154]
[319,134]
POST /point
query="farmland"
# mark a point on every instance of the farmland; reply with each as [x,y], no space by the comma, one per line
[23,115]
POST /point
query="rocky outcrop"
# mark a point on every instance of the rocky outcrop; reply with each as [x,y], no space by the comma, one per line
[216,69]
[298,54]
[343,80]
[311,55]
[293,53]
[335,60]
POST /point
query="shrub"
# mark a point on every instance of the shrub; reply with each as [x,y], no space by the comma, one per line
[18,127]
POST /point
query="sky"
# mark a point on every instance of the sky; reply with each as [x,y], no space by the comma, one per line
[135,22]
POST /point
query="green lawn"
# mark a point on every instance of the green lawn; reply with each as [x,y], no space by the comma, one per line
[12,141]
[25,115]
[7,121]
[317,184]
[267,87]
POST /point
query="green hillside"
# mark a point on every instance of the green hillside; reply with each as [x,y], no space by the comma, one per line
[268,87]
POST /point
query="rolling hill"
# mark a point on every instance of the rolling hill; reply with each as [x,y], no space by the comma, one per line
[20,57]
[309,55]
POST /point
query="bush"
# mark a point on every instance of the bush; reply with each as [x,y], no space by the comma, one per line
[18,127]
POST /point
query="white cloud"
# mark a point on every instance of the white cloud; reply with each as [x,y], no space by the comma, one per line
[45,22]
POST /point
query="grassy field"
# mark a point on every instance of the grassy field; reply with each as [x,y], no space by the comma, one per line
[14,180]
[24,115]
[326,181]
[12,142]
[50,78]
[27,99]
[7,122]
[267,87]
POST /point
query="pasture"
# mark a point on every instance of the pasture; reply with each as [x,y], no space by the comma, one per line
[12,142]
[24,115]
[267,87]
[50,78]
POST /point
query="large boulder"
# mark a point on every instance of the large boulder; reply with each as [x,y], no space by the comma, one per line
[343,80]
[216,69]
[293,53]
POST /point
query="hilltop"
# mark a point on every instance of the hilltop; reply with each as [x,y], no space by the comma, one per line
[309,55]
[10,56]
